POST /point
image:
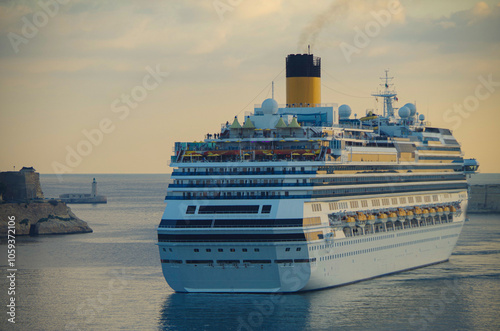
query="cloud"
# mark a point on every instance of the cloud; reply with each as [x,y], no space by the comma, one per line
[468,31]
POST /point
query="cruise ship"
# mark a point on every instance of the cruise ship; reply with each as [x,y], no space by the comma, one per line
[305,196]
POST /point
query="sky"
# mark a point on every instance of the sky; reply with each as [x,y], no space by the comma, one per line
[109,86]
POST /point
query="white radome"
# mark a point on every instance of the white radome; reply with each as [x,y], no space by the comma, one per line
[404,112]
[344,111]
[270,106]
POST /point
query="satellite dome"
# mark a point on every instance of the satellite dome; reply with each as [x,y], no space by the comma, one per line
[344,112]
[270,106]
[412,108]
[404,112]
[421,117]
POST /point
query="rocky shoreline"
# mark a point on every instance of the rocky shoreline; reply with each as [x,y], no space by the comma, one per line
[40,218]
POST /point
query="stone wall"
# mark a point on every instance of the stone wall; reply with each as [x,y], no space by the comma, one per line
[484,199]
[23,185]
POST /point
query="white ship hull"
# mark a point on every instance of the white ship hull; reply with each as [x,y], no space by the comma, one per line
[319,264]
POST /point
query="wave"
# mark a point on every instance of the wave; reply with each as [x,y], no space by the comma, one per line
[489,252]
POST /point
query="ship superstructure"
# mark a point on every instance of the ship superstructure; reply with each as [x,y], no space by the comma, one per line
[302,196]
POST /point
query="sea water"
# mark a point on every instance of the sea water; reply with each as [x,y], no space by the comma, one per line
[111,278]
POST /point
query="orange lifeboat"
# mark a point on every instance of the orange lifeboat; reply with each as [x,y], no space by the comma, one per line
[432,211]
[409,214]
[392,216]
[382,217]
[360,217]
[401,212]
[417,211]
[349,220]
[446,209]
[440,210]
[370,218]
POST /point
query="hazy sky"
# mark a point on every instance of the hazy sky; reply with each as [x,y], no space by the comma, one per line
[109,86]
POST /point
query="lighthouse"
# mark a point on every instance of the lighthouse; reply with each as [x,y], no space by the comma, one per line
[94,188]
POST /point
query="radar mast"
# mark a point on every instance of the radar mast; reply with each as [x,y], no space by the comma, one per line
[388,93]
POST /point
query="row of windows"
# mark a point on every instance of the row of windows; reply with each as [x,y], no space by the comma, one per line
[313,182]
[388,189]
[230,223]
[241,170]
[233,250]
[306,170]
[383,179]
[427,230]
[228,209]
[352,242]
[316,193]
[376,249]
[223,262]
[237,237]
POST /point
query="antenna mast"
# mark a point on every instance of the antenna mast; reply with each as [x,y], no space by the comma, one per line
[389,94]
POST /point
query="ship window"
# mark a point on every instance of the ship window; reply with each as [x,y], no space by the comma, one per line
[394,201]
[287,249]
[239,209]
[164,250]
[190,209]
[196,250]
[220,250]
[208,250]
[170,249]
[316,207]
[232,250]
[266,209]
[298,249]
[256,250]
[244,250]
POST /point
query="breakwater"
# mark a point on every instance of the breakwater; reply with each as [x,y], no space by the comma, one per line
[484,198]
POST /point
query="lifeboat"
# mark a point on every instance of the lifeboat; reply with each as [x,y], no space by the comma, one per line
[382,217]
[409,214]
[418,212]
[401,213]
[453,210]
[351,221]
[392,216]
[446,209]
[360,217]
[370,218]
[432,211]
[440,211]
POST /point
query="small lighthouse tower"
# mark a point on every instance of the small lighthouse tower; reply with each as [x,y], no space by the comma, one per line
[94,188]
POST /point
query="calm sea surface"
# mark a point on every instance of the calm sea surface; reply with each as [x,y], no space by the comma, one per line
[111,279]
